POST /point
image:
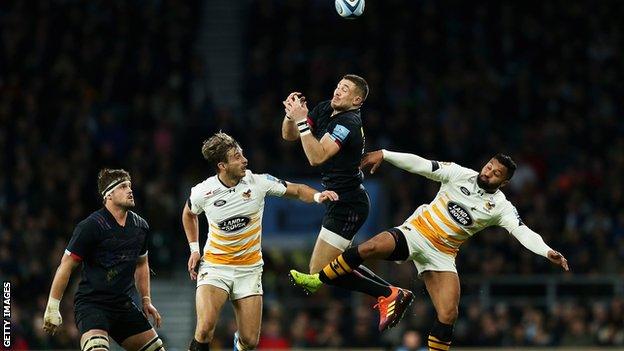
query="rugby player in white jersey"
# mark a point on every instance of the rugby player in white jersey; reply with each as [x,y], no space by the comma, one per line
[467,202]
[231,266]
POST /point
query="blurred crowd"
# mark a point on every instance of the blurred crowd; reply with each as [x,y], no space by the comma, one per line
[86,85]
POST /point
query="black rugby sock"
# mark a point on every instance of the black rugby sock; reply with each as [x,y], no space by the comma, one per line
[340,272]
[199,346]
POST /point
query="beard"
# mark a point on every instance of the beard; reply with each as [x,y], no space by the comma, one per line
[485,185]
[127,204]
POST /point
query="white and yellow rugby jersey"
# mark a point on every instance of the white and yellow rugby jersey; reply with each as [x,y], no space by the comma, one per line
[460,209]
[234,217]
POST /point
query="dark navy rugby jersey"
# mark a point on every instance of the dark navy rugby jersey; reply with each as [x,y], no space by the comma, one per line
[342,171]
[109,253]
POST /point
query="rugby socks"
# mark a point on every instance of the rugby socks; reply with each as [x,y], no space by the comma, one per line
[440,336]
[199,346]
[342,272]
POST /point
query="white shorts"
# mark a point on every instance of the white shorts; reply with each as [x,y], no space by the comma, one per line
[237,281]
[425,255]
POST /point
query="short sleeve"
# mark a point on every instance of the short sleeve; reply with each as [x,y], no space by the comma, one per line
[445,171]
[342,131]
[509,217]
[270,184]
[82,241]
[196,200]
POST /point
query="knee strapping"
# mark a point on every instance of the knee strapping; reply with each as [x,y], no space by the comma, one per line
[153,345]
[96,343]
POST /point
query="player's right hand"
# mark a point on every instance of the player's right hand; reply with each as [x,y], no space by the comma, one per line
[192,264]
[52,318]
[373,160]
[290,100]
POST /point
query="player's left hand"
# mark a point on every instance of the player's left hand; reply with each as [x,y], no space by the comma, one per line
[297,109]
[150,310]
[557,258]
[327,196]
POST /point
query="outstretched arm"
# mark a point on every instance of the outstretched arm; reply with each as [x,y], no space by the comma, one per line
[308,194]
[534,242]
[409,162]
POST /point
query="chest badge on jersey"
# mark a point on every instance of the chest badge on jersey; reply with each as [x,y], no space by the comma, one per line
[464,190]
[459,214]
[489,205]
[247,195]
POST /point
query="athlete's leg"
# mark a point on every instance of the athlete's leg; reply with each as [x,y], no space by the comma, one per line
[324,252]
[95,340]
[392,302]
[248,311]
[209,300]
[444,289]
[145,341]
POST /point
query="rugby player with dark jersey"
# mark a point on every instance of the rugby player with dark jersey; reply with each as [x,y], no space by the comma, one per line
[111,246]
[333,140]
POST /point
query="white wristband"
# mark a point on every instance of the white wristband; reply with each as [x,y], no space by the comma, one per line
[53,304]
[303,126]
[194,246]
[317,197]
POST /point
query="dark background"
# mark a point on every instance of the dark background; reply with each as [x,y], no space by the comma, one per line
[86,85]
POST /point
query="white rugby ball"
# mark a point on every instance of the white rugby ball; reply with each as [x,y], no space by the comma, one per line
[350,8]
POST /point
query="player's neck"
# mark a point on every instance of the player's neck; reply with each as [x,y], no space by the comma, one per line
[340,111]
[227,180]
[119,213]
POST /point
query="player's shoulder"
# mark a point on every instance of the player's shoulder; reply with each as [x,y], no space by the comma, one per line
[351,117]
[461,171]
[205,185]
[254,178]
[504,204]
[95,221]
[137,220]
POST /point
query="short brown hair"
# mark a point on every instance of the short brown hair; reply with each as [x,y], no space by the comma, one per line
[216,148]
[108,177]
[360,83]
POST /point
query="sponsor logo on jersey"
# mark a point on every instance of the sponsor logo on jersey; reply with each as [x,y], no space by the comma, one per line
[464,190]
[459,214]
[489,205]
[219,203]
[233,224]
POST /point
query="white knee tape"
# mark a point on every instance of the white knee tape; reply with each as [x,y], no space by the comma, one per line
[96,343]
[153,345]
[334,239]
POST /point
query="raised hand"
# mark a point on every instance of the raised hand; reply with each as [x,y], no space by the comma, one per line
[327,196]
[557,258]
[372,160]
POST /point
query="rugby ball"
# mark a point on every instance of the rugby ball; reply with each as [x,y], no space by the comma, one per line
[350,9]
